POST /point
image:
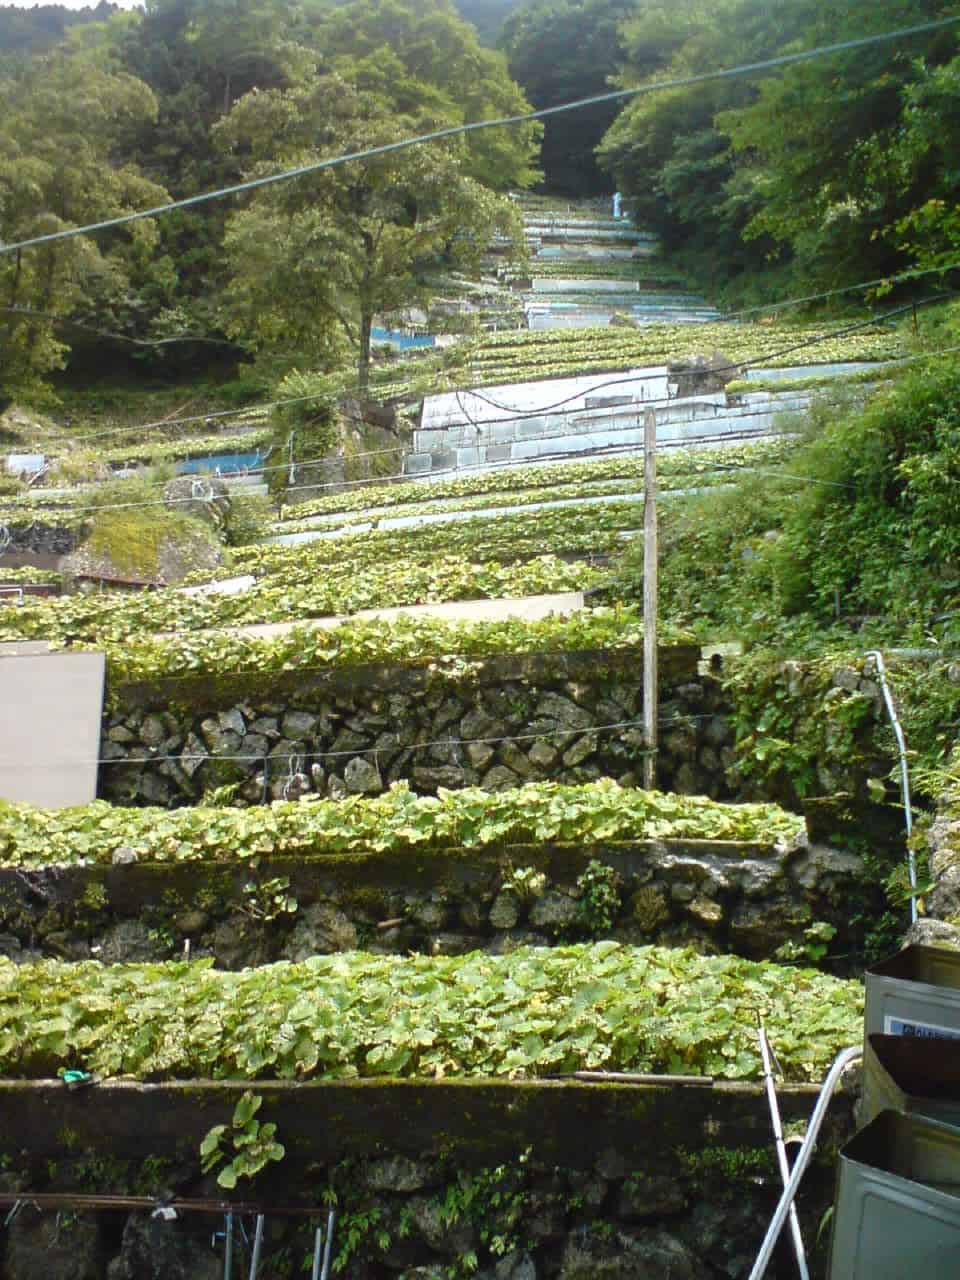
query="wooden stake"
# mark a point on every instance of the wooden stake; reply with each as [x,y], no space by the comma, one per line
[650,682]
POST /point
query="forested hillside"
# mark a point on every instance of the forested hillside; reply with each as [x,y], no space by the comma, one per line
[188,96]
[834,171]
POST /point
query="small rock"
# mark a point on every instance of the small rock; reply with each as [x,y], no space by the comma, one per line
[429,913]
[130,942]
[120,733]
[362,777]
[194,754]
[124,855]
[267,726]
[233,721]
[505,912]
[500,778]
[153,731]
[846,678]
[448,776]
[397,1173]
[514,759]
[254,744]
[515,1266]
[299,724]
[479,754]
[542,754]
[555,911]
[431,1224]
[933,933]
[705,910]
[321,930]
[580,751]
[567,714]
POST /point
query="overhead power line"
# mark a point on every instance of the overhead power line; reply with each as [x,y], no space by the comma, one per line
[54,510]
[354,387]
[899,278]
[728,368]
[368,153]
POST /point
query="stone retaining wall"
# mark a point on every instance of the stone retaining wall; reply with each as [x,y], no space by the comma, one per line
[564,1181]
[716,896]
[496,723]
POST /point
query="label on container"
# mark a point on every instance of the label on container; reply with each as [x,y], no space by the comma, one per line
[896,1026]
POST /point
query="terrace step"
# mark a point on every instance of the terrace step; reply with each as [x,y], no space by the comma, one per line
[567,1122]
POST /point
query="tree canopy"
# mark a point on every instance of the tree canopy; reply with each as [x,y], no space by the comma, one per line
[313,262]
[814,167]
[132,94]
[561,50]
[66,122]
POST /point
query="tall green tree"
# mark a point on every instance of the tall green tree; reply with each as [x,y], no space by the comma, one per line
[561,50]
[824,139]
[199,57]
[66,127]
[667,151]
[419,56]
[314,260]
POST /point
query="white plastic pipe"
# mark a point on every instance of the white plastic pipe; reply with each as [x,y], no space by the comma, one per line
[841,1062]
[877,656]
[317,1248]
[782,1161]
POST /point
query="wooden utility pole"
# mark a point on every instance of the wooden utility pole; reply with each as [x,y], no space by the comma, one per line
[650,681]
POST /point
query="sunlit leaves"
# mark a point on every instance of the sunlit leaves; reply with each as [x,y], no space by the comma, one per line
[531,1013]
[398,820]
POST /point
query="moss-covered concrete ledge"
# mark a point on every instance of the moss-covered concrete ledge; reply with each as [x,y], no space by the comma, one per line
[676,663]
[749,899]
[428,1181]
[569,1123]
[495,722]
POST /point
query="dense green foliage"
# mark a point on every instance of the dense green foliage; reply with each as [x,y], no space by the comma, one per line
[538,813]
[219,654]
[198,94]
[342,589]
[815,166]
[535,355]
[313,262]
[561,50]
[514,536]
[861,521]
[35,30]
[531,1013]
[581,477]
[67,121]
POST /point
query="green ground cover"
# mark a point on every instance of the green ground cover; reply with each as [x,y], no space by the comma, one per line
[424,641]
[535,1012]
[398,820]
[535,355]
[342,589]
[555,479]
[558,531]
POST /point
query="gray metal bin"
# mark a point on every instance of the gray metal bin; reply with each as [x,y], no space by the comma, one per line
[897,1207]
[915,993]
[911,1073]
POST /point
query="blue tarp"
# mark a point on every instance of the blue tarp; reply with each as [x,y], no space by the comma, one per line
[405,341]
[225,463]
